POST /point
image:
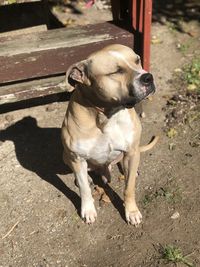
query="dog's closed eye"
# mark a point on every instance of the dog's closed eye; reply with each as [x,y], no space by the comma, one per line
[119,70]
[137,61]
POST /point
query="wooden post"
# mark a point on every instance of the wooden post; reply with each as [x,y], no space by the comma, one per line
[147,33]
[141,23]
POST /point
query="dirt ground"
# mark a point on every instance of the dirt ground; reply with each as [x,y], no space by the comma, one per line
[39,198]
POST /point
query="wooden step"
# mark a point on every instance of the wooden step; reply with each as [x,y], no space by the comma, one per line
[48,53]
[32,89]
[36,57]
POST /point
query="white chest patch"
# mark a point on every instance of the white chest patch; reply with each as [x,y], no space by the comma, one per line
[117,137]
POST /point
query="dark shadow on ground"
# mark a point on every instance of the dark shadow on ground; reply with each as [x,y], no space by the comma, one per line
[176,11]
[33,102]
[40,150]
[113,196]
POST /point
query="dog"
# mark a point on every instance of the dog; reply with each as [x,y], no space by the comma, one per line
[101,126]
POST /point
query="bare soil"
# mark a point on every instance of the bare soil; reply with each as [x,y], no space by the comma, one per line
[38,195]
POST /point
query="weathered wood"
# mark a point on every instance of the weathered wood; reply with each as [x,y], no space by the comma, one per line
[39,28]
[49,53]
[3,3]
[54,39]
[33,89]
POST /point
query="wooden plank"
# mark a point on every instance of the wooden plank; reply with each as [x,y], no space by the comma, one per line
[39,28]
[30,90]
[49,53]
[53,39]
[3,2]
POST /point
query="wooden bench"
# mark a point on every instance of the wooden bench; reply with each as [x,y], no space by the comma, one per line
[33,65]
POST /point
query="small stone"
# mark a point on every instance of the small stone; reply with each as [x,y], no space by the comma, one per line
[156,41]
[175,215]
[143,115]
[178,70]
[171,146]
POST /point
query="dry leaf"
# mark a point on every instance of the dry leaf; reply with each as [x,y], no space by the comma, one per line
[101,194]
[105,198]
[98,191]
[121,177]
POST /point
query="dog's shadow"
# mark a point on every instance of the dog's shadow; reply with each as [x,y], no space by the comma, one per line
[40,150]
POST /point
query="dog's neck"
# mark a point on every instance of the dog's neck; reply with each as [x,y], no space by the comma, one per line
[101,107]
[108,112]
[102,113]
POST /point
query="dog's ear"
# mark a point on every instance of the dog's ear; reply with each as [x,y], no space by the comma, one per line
[77,73]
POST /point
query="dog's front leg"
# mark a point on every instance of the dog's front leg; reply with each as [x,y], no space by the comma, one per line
[88,211]
[130,166]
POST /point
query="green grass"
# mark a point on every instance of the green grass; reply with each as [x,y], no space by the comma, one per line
[172,26]
[192,75]
[170,195]
[183,48]
[175,255]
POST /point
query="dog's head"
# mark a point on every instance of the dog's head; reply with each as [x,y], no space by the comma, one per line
[113,76]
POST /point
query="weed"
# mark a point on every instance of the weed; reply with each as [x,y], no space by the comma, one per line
[192,75]
[183,48]
[172,133]
[172,196]
[172,26]
[175,255]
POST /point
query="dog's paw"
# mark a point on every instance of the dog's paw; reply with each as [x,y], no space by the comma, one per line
[88,212]
[134,217]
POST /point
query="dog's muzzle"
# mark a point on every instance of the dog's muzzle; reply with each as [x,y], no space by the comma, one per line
[141,88]
[145,86]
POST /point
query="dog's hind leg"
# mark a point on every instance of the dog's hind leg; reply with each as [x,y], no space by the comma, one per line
[105,173]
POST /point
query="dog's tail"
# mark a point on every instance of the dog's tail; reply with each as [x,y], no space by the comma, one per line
[150,145]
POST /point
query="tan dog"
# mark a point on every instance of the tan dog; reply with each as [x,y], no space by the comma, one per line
[101,125]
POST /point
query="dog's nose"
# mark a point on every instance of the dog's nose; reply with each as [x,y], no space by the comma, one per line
[146,78]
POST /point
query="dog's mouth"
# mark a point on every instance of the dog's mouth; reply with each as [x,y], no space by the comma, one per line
[139,95]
